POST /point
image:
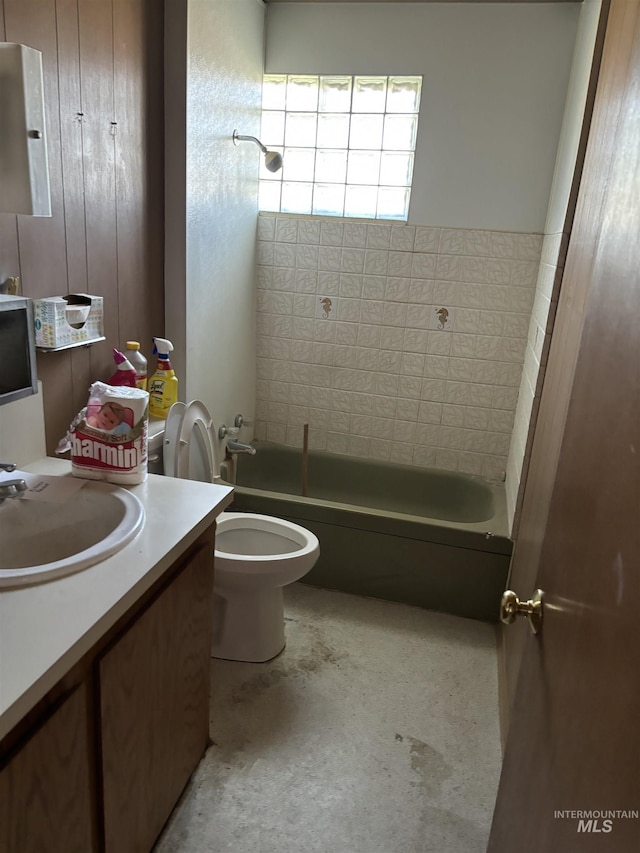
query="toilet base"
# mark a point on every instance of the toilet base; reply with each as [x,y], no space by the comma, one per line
[248,626]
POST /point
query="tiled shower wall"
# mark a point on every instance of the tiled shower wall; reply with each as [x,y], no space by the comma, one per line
[396,342]
[538,342]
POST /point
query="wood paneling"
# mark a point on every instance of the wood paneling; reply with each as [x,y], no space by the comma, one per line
[154,707]
[103,81]
[46,794]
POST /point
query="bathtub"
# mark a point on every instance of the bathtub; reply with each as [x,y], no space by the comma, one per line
[430,538]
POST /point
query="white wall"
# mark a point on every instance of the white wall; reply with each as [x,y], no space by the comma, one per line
[495,78]
[214,66]
[552,262]
[22,430]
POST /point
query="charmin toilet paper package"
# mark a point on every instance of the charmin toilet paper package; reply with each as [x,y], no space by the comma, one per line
[108,439]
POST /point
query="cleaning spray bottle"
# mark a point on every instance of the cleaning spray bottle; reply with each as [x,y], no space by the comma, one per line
[139,362]
[125,373]
[163,385]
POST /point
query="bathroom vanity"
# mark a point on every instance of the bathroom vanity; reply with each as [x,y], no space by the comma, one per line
[104,682]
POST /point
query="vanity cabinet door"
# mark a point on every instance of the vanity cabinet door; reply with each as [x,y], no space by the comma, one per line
[154,698]
[46,788]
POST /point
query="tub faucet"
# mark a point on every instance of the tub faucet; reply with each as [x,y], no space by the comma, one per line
[12,488]
[7,466]
[235,446]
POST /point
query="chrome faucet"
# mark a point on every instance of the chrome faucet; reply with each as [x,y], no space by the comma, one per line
[7,466]
[12,488]
[235,446]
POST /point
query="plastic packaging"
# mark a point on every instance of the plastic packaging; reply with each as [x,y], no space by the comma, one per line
[163,385]
[139,362]
[125,373]
[108,438]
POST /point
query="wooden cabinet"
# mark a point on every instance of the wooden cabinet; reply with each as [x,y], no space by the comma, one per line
[154,700]
[100,764]
[46,787]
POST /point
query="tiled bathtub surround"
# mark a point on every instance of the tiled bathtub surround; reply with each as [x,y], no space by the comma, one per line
[538,342]
[390,374]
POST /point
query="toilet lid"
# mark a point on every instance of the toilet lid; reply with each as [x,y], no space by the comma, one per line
[194,446]
[171,433]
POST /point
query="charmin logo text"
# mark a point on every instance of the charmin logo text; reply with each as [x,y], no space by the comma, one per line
[596,820]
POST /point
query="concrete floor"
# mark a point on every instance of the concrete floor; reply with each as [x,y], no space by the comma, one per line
[375,731]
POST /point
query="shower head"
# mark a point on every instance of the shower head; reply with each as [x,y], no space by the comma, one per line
[272,160]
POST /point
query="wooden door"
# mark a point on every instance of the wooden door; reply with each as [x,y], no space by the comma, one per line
[571,774]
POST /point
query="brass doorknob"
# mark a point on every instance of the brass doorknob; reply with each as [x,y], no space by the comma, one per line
[511,607]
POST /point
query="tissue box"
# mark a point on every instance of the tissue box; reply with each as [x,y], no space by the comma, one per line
[66,320]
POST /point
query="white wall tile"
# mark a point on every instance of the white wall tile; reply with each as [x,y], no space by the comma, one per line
[415,340]
[389,361]
[351,285]
[395,314]
[436,367]
[376,262]
[306,256]
[330,258]
[355,235]
[400,264]
[397,289]
[331,233]
[378,236]
[286,230]
[353,260]
[444,397]
[406,410]
[266,227]
[306,281]
[421,291]
[337,443]
[346,333]
[410,387]
[308,231]
[426,239]
[264,277]
[373,286]
[402,238]
[328,282]
[401,454]
[423,265]
[264,252]
[392,337]
[283,278]
[283,254]
[371,311]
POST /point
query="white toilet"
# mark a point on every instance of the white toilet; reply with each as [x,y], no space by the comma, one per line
[255,555]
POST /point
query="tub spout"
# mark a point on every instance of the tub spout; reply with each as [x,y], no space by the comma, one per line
[235,446]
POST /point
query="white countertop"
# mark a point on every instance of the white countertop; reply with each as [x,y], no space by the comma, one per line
[45,629]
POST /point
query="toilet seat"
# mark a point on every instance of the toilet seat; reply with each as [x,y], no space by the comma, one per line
[268,543]
[189,441]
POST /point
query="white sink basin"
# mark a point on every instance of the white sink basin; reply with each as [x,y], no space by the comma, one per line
[40,541]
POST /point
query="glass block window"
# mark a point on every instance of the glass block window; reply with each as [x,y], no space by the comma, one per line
[348,144]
